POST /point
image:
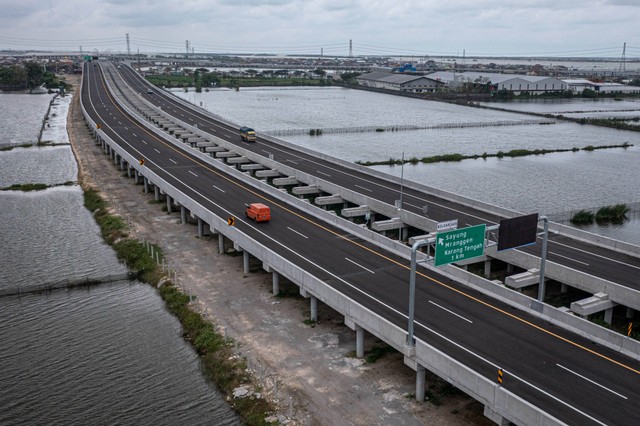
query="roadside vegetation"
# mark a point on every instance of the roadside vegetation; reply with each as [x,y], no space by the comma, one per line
[500,154]
[220,365]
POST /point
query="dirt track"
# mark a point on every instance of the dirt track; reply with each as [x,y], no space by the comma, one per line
[318,379]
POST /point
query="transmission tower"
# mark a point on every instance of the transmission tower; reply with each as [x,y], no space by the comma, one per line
[350,48]
[187,45]
[623,59]
[128,46]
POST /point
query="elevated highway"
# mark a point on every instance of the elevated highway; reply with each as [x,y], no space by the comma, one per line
[551,376]
[577,259]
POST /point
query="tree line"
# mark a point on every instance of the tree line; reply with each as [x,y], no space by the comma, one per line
[27,75]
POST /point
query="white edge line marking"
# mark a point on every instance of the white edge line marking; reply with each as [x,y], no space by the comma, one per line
[450,311]
[359,265]
[591,381]
[220,189]
[192,173]
[299,233]
[568,258]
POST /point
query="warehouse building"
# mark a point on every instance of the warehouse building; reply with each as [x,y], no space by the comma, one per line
[512,82]
[400,82]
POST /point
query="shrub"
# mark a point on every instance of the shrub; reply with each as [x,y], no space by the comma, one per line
[583,217]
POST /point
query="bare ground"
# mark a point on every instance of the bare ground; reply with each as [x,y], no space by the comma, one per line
[319,381]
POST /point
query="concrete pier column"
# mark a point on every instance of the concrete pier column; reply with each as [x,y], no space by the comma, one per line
[220,243]
[156,193]
[129,171]
[275,279]
[509,268]
[359,342]
[169,204]
[608,315]
[115,158]
[136,176]
[146,184]
[200,228]
[183,215]
[564,288]
[245,261]
[487,268]
[314,308]
[630,312]
[420,380]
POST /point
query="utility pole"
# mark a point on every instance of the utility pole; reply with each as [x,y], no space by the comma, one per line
[128,46]
[187,45]
[350,48]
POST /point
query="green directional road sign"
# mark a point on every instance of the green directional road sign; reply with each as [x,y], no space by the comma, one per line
[459,244]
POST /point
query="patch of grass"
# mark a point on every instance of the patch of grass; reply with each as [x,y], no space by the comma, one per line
[378,352]
[27,187]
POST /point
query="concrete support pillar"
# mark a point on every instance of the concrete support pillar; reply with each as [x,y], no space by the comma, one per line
[169,204]
[314,308]
[420,380]
[359,341]
[129,171]
[509,268]
[146,184]
[115,159]
[630,313]
[465,267]
[564,288]
[156,193]
[220,243]
[608,315]
[487,268]
[200,228]
[183,215]
[275,279]
[245,261]
[136,176]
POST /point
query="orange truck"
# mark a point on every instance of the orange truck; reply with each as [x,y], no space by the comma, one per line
[258,212]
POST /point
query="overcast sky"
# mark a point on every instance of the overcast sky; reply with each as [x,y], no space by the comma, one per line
[571,28]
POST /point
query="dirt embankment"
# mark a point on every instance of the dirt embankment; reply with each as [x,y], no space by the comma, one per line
[318,380]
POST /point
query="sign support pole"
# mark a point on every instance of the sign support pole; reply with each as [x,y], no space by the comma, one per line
[412,289]
[543,258]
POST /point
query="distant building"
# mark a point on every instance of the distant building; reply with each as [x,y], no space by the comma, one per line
[579,85]
[400,82]
[512,82]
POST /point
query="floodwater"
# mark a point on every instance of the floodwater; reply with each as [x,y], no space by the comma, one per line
[105,354]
